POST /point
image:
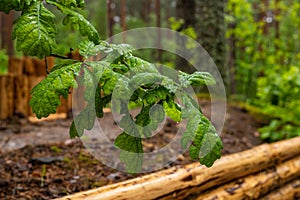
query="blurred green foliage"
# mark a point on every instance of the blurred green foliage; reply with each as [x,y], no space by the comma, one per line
[3,61]
[267,61]
[95,12]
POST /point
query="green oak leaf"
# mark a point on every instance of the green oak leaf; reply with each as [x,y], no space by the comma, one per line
[46,94]
[131,152]
[206,145]
[172,109]
[76,20]
[211,149]
[138,65]
[117,52]
[8,5]
[149,118]
[90,82]
[150,80]
[99,103]
[121,49]
[98,68]
[88,48]
[156,94]
[62,63]
[143,118]
[84,120]
[109,79]
[196,79]
[193,116]
[128,125]
[35,31]
[72,3]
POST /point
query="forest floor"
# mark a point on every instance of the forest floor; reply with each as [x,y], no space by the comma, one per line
[39,161]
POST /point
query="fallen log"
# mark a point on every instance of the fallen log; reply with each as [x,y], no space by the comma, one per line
[290,191]
[178,182]
[256,185]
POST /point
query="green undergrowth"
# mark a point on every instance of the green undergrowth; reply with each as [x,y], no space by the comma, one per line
[275,126]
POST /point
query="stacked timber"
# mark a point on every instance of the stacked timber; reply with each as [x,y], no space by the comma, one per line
[23,74]
[268,171]
[7,96]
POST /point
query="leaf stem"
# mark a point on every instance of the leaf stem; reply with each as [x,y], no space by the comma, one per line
[59,56]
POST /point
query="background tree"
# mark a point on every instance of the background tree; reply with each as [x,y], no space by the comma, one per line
[186,12]
[6,27]
[210,29]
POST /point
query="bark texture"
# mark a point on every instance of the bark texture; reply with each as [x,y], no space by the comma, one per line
[180,182]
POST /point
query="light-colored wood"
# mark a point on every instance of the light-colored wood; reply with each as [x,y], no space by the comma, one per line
[256,185]
[51,117]
[168,184]
[7,96]
[70,104]
[63,107]
[22,95]
[289,191]
[50,62]
[39,66]
[259,158]
[28,66]
[26,73]
[15,66]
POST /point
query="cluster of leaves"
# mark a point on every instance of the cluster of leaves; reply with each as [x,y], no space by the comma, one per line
[119,78]
[281,97]
[267,61]
[123,78]
[35,29]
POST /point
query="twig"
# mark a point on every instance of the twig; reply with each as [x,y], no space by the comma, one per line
[59,56]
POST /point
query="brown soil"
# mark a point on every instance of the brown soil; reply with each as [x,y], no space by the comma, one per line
[49,167]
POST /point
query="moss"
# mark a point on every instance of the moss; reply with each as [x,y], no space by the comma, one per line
[56,149]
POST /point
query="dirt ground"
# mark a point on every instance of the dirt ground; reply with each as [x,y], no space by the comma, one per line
[39,161]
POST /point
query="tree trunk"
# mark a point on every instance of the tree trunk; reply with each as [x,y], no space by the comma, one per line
[158,24]
[123,19]
[110,18]
[6,31]
[184,10]
[232,56]
[145,13]
[210,27]
[181,181]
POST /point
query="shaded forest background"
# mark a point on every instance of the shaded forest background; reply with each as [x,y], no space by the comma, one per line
[255,45]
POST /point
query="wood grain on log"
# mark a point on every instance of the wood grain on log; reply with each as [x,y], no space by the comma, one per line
[256,185]
[22,95]
[179,182]
[290,191]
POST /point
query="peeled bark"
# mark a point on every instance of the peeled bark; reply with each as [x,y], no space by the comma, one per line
[290,191]
[257,185]
[179,182]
